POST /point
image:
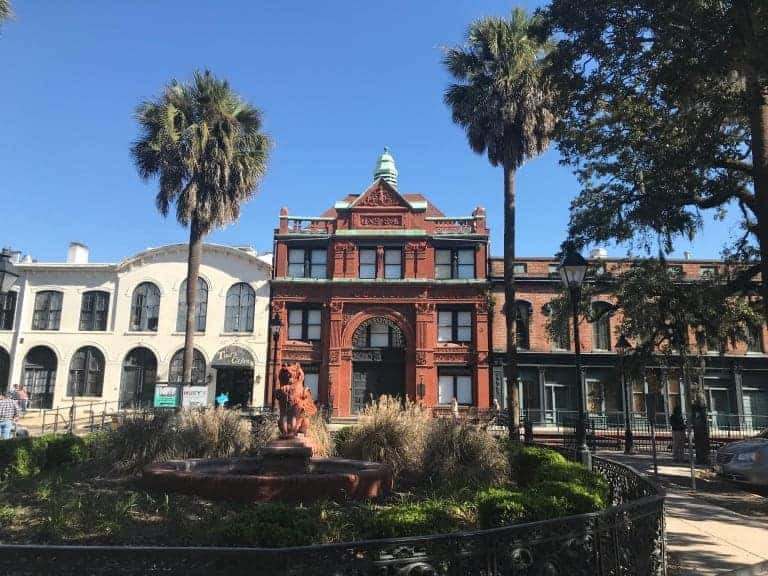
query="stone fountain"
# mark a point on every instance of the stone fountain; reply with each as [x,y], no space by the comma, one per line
[285,470]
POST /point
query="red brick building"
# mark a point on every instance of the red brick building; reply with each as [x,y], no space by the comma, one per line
[735,379]
[384,294]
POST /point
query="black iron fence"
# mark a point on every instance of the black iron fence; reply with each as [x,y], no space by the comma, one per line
[626,539]
[607,430]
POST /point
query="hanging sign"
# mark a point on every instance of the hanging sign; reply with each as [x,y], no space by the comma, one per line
[166,396]
[233,356]
[194,396]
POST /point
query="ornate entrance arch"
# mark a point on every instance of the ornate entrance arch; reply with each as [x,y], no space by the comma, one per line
[378,355]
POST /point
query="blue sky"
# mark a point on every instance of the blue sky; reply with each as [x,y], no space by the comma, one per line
[336,81]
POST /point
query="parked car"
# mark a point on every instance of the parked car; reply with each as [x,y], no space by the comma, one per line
[745,460]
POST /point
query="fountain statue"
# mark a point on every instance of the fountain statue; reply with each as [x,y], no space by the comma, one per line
[295,401]
[285,468]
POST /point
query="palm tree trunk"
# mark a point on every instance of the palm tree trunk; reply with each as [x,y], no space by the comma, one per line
[759,122]
[193,270]
[513,401]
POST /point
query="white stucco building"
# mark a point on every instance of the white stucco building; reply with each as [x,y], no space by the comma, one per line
[109,332]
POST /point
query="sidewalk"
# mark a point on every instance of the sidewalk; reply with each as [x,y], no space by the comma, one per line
[702,537]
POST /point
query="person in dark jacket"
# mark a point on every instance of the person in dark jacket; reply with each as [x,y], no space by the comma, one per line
[677,423]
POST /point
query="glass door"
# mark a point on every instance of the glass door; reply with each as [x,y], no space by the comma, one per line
[719,407]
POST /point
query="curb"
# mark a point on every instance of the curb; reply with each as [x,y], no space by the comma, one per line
[754,570]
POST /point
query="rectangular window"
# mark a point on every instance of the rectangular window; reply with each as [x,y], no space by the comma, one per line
[94,310]
[304,324]
[393,263]
[453,384]
[563,341]
[367,263]
[312,381]
[707,271]
[307,263]
[454,263]
[755,339]
[47,313]
[521,269]
[553,270]
[454,326]
[318,264]
[7,310]
[296,263]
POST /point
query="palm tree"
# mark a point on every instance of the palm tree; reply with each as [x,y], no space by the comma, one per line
[204,145]
[5,10]
[505,103]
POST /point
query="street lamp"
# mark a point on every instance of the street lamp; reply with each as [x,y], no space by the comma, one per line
[573,268]
[275,324]
[8,273]
[622,347]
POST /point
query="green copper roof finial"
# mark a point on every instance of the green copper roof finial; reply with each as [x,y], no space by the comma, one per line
[386,169]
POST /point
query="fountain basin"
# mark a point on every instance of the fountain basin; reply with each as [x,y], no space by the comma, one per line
[247,479]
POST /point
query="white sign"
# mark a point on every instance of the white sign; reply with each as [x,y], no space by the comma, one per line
[194,396]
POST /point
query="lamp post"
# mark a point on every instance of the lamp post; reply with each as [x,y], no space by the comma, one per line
[622,347]
[275,324]
[573,268]
[8,273]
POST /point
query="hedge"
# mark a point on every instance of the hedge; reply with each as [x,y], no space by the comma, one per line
[26,457]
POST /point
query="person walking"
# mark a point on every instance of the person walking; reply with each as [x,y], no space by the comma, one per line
[9,413]
[677,423]
[22,397]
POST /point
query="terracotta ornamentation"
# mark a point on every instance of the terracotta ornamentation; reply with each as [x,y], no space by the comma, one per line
[295,400]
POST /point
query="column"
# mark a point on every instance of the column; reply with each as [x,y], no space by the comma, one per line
[425,351]
[737,383]
[542,395]
[331,395]
[481,354]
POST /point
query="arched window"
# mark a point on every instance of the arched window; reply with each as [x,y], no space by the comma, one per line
[47,314]
[86,372]
[239,312]
[201,306]
[176,370]
[523,312]
[137,385]
[378,333]
[145,308]
[40,376]
[601,326]
[93,310]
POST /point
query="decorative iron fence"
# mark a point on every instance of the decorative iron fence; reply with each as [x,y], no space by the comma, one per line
[626,539]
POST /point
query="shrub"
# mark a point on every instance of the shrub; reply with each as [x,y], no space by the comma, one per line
[272,526]
[499,507]
[63,450]
[263,430]
[211,433]
[341,438]
[571,472]
[141,439]
[393,433]
[527,460]
[464,454]
[319,436]
[555,499]
[437,516]
[26,457]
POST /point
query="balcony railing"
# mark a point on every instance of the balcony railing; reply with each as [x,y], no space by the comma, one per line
[455,225]
[306,225]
